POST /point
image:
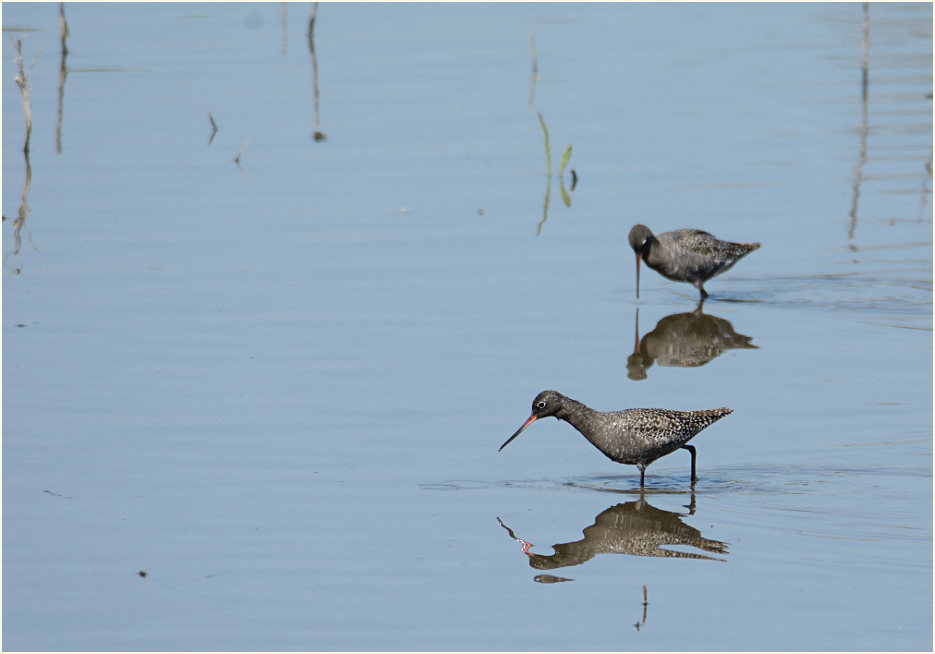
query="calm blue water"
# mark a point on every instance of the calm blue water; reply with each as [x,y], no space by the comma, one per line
[277,386]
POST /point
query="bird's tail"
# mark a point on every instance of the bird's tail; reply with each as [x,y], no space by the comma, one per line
[713,415]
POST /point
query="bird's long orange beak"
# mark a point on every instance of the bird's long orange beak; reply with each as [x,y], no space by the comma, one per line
[639,258]
[531,420]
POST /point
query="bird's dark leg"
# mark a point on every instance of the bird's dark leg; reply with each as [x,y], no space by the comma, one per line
[704,293]
[691,449]
[642,475]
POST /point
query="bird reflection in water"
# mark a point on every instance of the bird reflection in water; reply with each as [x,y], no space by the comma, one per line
[635,528]
[684,340]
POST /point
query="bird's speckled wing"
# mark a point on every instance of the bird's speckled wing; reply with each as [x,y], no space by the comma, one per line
[644,435]
[694,254]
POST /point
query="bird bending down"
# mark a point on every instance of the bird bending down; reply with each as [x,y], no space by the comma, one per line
[685,255]
[633,436]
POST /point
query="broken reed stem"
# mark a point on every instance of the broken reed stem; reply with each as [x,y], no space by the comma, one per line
[22,81]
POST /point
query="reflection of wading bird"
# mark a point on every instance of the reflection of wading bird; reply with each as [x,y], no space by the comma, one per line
[684,340]
[635,528]
[634,436]
[685,255]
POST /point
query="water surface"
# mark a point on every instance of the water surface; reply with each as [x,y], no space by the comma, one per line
[277,386]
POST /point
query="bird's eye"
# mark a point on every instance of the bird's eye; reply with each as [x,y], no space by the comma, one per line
[540,405]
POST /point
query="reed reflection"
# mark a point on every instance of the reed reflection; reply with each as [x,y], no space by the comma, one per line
[684,340]
[25,88]
[864,124]
[20,222]
[634,528]
[62,75]
[22,81]
[318,135]
[566,198]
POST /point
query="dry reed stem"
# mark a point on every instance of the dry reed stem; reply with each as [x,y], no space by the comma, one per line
[22,81]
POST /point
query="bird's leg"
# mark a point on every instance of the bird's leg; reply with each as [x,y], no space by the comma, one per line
[704,293]
[691,449]
[642,474]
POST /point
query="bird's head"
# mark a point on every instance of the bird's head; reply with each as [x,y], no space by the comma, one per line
[547,403]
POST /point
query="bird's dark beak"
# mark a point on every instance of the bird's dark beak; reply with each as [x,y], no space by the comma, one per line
[531,420]
[639,257]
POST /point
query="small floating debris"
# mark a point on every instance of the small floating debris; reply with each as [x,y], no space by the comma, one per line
[214,128]
[240,154]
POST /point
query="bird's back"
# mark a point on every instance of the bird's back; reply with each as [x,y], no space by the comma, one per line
[694,254]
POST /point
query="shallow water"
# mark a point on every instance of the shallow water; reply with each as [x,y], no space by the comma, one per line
[277,386]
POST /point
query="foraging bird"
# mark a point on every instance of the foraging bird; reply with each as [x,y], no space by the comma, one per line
[634,436]
[685,255]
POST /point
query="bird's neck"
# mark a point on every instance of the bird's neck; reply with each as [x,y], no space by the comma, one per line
[576,414]
[650,253]
[592,425]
